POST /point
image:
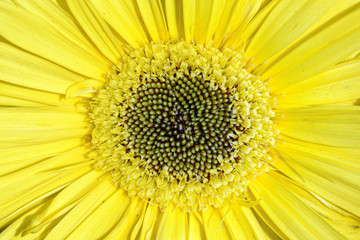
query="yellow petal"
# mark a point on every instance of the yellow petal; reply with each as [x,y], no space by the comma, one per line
[150,218]
[128,222]
[76,216]
[241,31]
[336,126]
[31,95]
[52,13]
[154,19]
[26,187]
[258,230]
[289,213]
[122,17]
[19,156]
[269,227]
[173,11]
[236,222]
[12,231]
[335,216]
[232,17]
[213,224]
[64,201]
[196,229]
[15,102]
[24,125]
[84,87]
[339,6]
[335,183]
[21,68]
[286,22]
[104,218]
[189,10]
[97,29]
[46,41]
[325,46]
[330,154]
[340,83]
[207,19]
[138,223]
[173,224]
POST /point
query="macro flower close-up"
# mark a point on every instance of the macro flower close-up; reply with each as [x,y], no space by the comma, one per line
[179,119]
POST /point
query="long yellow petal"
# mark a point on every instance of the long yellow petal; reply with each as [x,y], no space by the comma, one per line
[336,184]
[97,29]
[324,47]
[189,8]
[195,227]
[258,230]
[150,218]
[104,218]
[241,32]
[330,213]
[330,154]
[339,84]
[31,95]
[174,19]
[289,213]
[334,172]
[20,156]
[153,16]
[338,7]
[53,14]
[127,225]
[25,188]
[207,18]
[335,126]
[76,216]
[213,224]
[122,17]
[19,25]
[25,125]
[173,224]
[236,222]
[232,17]
[268,226]
[15,102]
[12,231]
[21,68]
[64,201]
[287,21]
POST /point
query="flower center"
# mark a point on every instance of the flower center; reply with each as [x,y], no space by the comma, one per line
[182,124]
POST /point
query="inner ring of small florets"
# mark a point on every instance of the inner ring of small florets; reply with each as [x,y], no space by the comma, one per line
[182,126]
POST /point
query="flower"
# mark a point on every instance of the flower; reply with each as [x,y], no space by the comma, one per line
[179,119]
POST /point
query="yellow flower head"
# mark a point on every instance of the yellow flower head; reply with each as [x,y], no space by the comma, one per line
[179,119]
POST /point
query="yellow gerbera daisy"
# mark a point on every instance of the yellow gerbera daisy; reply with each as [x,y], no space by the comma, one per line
[179,119]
